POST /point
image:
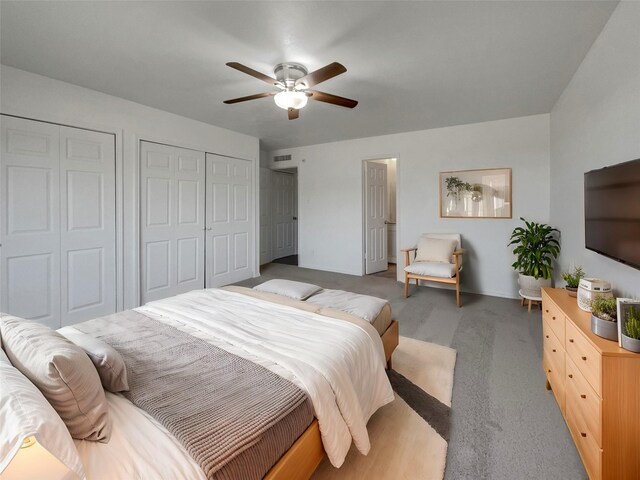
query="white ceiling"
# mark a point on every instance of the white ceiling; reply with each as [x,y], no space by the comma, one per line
[411,65]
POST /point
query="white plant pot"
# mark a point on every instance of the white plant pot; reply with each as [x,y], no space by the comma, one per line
[532,287]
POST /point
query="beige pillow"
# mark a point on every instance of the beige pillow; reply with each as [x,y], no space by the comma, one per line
[24,413]
[435,250]
[63,373]
[108,362]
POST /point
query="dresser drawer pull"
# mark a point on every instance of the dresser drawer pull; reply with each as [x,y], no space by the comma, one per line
[553,318]
[547,336]
[554,350]
[547,310]
[583,396]
[571,340]
[549,371]
[584,435]
[584,358]
[570,375]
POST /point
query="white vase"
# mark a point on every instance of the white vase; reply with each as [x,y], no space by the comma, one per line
[532,287]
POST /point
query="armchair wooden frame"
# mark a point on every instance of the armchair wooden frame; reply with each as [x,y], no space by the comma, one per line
[455,280]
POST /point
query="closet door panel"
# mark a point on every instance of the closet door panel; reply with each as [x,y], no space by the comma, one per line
[30,225]
[172,200]
[230,229]
[87,212]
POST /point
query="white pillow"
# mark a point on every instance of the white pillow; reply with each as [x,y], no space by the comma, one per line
[435,250]
[289,288]
[108,362]
[24,412]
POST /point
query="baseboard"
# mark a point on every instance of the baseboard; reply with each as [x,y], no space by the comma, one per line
[324,268]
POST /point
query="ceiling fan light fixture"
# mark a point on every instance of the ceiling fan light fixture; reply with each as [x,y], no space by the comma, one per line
[291,99]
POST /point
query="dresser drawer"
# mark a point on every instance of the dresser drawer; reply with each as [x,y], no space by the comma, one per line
[585,357]
[554,349]
[555,380]
[582,400]
[555,318]
[589,449]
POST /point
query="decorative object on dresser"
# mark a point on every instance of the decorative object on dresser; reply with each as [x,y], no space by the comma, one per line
[603,318]
[630,326]
[573,280]
[591,288]
[597,386]
[484,193]
[536,246]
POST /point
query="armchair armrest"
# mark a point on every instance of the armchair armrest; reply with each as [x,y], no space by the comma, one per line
[409,249]
[459,251]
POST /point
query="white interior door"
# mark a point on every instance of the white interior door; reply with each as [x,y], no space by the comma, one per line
[57,234]
[87,224]
[284,209]
[230,231]
[265,216]
[30,229]
[375,202]
[172,201]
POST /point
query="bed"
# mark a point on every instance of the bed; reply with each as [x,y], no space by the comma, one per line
[276,334]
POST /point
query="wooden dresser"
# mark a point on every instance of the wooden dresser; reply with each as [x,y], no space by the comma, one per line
[597,386]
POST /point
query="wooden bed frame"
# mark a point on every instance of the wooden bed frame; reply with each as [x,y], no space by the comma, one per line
[304,456]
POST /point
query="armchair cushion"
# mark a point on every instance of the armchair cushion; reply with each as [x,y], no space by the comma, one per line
[435,249]
[432,269]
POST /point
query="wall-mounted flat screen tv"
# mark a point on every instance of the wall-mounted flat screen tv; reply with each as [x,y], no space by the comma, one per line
[612,212]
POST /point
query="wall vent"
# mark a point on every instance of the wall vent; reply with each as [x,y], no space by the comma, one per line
[282,158]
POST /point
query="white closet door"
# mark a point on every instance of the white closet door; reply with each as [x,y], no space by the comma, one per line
[230,228]
[87,224]
[30,230]
[172,189]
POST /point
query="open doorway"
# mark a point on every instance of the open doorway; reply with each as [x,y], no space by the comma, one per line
[284,216]
[379,213]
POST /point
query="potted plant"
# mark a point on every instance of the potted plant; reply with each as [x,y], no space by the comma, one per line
[603,317]
[631,333]
[536,248]
[573,280]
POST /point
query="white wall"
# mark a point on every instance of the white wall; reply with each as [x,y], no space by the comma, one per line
[330,194]
[596,122]
[41,98]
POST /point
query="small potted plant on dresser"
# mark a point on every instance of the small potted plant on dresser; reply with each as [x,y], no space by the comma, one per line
[631,331]
[603,317]
[573,280]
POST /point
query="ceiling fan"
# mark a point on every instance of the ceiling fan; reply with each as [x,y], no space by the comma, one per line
[294,82]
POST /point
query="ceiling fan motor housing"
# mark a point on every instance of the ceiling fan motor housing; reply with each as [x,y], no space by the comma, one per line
[288,73]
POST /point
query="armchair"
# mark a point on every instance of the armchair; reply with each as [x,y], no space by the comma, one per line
[431,270]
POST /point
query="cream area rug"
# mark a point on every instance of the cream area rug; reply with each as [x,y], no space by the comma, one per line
[408,436]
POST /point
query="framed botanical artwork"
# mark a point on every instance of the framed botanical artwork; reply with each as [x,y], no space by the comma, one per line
[482,193]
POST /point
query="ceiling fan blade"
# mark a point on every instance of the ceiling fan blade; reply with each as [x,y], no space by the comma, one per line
[293,113]
[334,99]
[253,73]
[250,97]
[325,73]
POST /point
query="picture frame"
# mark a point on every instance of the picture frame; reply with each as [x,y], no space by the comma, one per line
[481,193]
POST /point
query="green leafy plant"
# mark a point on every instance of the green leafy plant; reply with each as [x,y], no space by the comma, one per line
[536,248]
[455,186]
[632,325]
[573,279]
[604,308]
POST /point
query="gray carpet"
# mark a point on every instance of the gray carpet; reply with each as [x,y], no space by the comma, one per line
[504,424]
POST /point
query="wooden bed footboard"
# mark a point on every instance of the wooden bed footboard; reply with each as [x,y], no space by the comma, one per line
[304,456]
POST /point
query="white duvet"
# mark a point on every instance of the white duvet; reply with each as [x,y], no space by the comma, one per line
[339,364]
